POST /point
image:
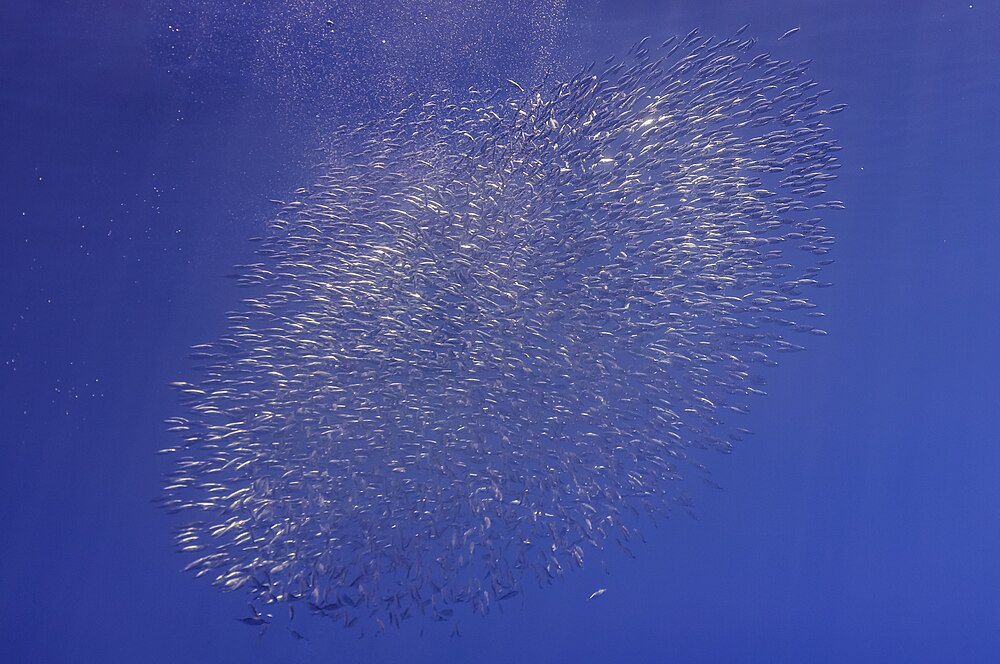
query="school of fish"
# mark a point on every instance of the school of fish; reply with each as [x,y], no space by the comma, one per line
[497,330]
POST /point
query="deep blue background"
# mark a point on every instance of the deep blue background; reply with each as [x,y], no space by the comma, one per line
[860,524]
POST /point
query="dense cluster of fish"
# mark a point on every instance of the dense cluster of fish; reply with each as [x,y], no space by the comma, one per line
[495,331]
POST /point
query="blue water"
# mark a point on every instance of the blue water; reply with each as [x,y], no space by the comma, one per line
[137,154]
